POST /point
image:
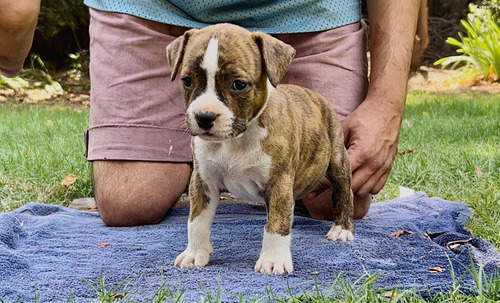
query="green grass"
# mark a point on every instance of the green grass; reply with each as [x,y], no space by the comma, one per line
[455,143]
[456,154]
[40,146]
[449,148]
[342,290]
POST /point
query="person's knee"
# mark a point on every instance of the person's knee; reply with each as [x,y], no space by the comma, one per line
[361,205]
[129,211]
[17,15]
[137,193]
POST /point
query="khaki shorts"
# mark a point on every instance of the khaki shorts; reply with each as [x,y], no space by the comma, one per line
[137,113]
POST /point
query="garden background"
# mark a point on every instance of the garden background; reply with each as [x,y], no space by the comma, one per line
[449,142]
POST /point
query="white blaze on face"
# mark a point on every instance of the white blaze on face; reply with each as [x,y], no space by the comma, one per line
[208,100]
[211,63]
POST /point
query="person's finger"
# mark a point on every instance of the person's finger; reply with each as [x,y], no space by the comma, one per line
[371,182]
[359,177]
[356,158]
[383,179]
[345,132]
[374,183]
[380,184]
[312,195]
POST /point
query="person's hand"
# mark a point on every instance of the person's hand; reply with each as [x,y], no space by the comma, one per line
[371,130]
[319,201]
[370,136]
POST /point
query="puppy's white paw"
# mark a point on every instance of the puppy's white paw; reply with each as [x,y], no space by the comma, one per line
[275,256]
[194,257]
[276,264]
[337,233]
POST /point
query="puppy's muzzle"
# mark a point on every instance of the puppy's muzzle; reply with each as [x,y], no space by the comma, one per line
[205,120]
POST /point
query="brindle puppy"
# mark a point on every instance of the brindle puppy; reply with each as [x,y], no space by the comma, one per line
[259,140]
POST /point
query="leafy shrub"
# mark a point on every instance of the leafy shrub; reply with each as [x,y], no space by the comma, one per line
[56,15]
[494,7]
[480,49]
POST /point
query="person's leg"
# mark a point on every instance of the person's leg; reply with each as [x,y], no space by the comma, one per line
[334,64]
[18,20]
[136,141]
[135,193]
[361,205]
[320,207]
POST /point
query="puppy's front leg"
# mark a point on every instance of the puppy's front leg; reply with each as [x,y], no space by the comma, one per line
[275,256]
[203,203]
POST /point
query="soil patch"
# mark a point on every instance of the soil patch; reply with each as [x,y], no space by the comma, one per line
[75,92]
[431,79]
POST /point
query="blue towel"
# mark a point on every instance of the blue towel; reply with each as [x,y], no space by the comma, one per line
[55,252]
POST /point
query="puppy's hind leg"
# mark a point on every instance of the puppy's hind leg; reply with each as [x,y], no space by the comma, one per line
[339,174]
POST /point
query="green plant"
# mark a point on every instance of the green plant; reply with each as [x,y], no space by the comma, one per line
[58,14]
[480,49]
[116,293]
[37,75]
[494,7]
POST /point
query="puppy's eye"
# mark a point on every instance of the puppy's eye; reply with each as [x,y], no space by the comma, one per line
[238,85]
[187,82]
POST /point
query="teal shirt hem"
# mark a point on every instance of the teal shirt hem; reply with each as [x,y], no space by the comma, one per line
[277,17]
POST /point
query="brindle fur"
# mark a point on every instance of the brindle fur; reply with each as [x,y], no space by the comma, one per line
[198,191]
[304,151]
[304,136]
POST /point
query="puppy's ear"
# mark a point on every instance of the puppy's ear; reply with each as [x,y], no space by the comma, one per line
[175,52]
[276,56]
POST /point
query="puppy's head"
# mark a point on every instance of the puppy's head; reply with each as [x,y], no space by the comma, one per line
[227,75]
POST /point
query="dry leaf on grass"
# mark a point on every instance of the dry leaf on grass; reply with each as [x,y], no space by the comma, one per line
[436,270]
[401,232]
[391,294]
[69,179]
[455,244]
[478,171]
[120,296]
[408,151]
[103,244]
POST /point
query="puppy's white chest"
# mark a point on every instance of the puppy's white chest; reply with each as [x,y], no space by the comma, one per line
[238,165]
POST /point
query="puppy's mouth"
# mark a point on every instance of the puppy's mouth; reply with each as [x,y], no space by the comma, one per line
[217,133]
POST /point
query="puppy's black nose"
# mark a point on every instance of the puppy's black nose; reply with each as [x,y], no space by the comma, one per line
[205,120]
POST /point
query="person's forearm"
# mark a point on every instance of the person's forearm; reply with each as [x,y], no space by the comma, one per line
[371,131]
[392,28]
[17,25]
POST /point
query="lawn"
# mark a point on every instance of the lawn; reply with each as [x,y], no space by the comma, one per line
[449,148]
[40,146]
